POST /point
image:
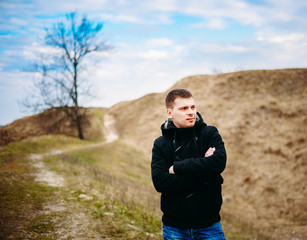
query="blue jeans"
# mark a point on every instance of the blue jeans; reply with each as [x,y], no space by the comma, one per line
[213,232]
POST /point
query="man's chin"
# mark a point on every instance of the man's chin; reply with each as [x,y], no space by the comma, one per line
[189,125]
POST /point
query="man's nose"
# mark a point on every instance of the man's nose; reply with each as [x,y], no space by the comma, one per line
[191,111]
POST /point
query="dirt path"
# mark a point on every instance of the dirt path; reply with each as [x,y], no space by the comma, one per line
[71,221]
[109,128]
[52,178]
[44,175]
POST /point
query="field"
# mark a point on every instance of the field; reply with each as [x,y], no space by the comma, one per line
[58,187]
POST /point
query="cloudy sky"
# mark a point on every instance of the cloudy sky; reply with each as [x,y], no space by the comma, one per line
[156,43]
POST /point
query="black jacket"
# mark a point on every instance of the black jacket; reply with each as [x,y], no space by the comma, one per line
[191,198]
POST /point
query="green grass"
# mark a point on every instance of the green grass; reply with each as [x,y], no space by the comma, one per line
[21,197]
[97,134]
[36,145]
[42,225]
[21,200]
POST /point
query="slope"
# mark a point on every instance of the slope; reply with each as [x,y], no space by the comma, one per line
[53,121]
[262,116]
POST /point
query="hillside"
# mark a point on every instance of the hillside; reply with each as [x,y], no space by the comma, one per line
[59,187]
[262,116]
[53,121]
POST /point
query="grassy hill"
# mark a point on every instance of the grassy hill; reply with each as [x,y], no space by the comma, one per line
[262,116]
[58,187]
[95,188]
[53,121]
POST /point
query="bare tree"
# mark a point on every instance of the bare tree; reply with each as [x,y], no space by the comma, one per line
[59,83]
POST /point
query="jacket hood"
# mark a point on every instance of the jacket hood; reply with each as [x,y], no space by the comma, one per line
[168,127]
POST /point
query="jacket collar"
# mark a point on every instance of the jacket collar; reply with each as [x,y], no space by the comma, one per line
[168,127]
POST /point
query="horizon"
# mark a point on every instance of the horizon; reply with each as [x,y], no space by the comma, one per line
[156,43]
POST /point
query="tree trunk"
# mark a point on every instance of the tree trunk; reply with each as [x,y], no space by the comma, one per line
[79,125]
[77,109]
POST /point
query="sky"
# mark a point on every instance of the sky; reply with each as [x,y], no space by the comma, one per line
[155,43]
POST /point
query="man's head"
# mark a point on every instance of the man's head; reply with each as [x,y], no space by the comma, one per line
[175,93]
[180,107]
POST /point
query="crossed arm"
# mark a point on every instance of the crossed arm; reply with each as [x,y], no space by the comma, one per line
[209,153]
[189,173]
[165,182]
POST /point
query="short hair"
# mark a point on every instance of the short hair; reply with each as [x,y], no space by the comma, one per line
[173,94]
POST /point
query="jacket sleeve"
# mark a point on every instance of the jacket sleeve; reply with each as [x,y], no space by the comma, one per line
[164,181]
[205,166]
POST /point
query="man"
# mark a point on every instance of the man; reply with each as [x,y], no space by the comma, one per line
[187,161]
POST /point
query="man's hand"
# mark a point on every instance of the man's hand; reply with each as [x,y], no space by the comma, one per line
[210,152]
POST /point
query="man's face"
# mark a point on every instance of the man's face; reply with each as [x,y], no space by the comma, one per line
[183,112]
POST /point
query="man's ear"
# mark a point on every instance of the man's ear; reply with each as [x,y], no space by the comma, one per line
[169,113]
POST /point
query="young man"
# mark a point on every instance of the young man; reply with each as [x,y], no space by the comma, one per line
[187,161]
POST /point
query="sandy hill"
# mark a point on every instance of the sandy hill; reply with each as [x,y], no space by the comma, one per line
[53,121]
[262,116]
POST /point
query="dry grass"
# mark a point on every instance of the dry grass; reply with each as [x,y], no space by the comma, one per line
[107,192]
[53,121]
[262,116]
[101,198]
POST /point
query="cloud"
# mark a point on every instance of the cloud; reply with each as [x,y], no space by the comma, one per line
[292,38]
[121,18]
[159,42]
[18,21]
[154,55]
[16,79]
[160,5]
[131,72]
[211,47]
